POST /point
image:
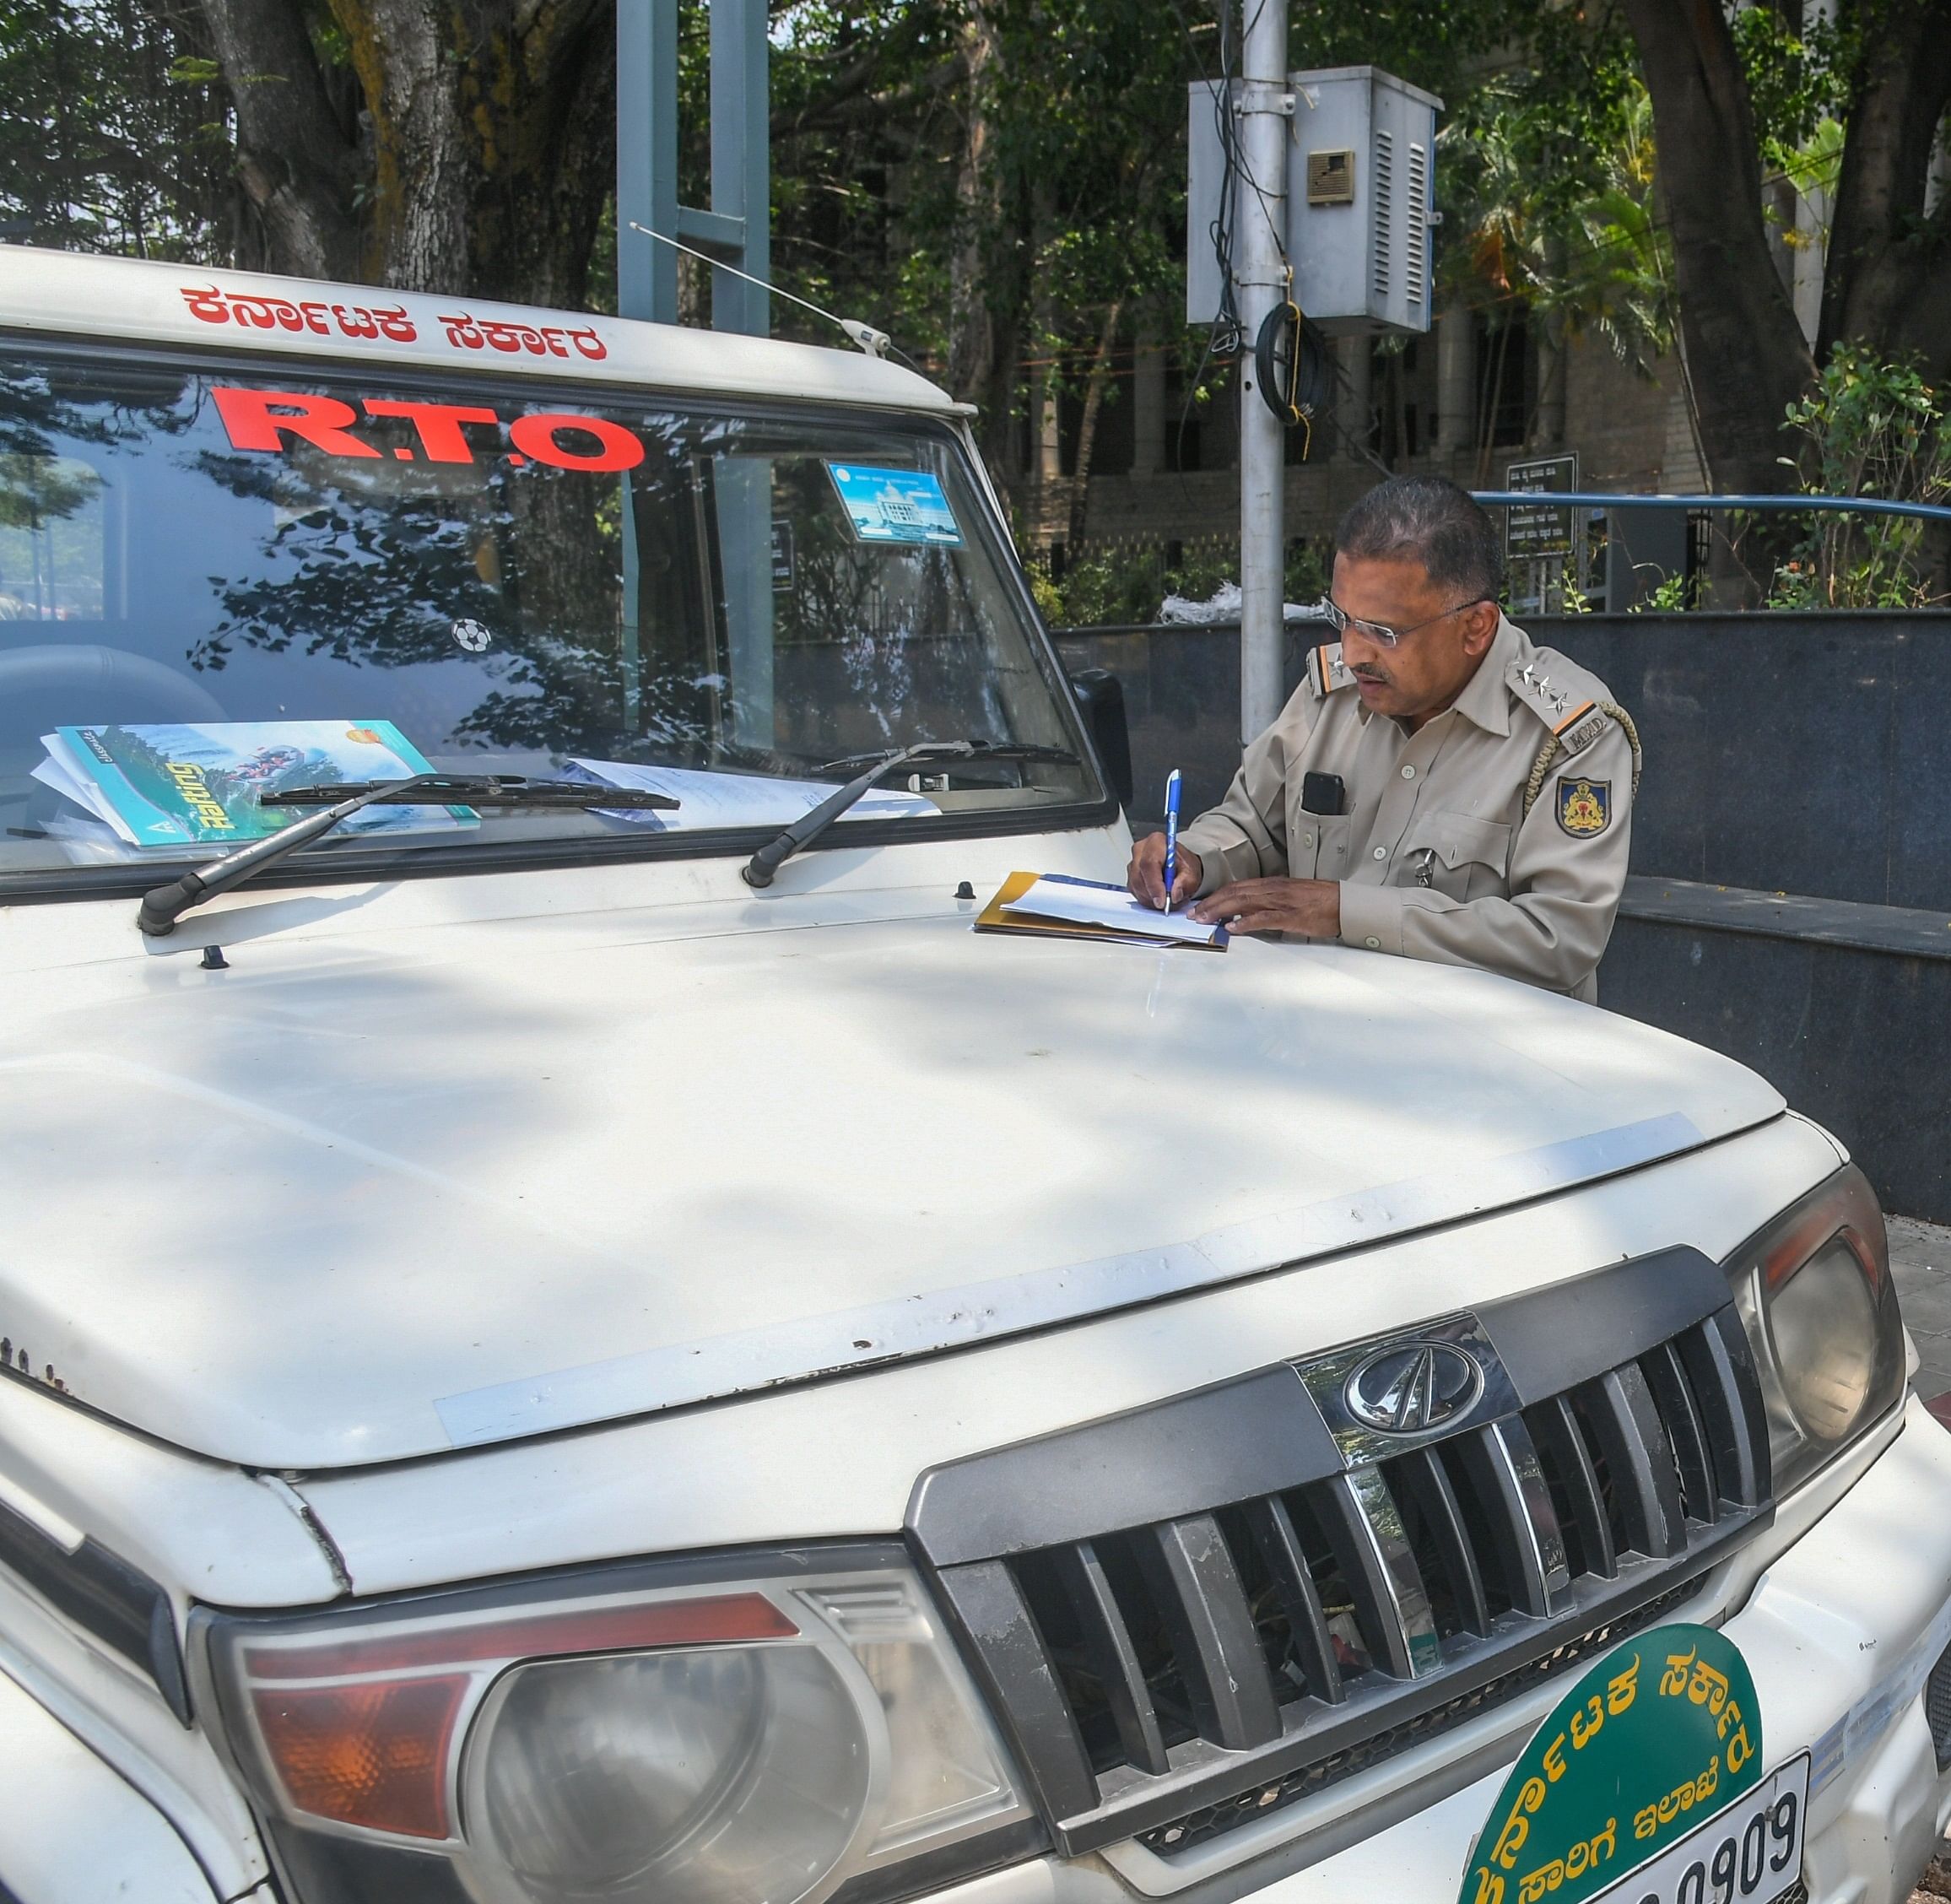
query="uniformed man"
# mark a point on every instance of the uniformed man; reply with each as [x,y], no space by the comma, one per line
[1437,787]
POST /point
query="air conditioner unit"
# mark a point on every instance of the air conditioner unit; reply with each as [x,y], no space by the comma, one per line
[1361,183]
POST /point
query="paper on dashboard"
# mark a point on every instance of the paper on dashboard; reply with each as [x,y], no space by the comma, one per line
[1080,903]
[737,799]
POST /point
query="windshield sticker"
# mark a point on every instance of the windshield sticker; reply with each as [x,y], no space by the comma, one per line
[172,785]
[250,310]
[894,504]
[265,419]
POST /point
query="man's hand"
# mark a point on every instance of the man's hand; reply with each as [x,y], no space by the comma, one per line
[1146,874]
[1311,908]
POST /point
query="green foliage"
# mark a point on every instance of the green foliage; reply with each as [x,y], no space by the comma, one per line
[1127,580]
[1795,80]
[1872,429]
[112,127]
[1669,598]
[1547,185]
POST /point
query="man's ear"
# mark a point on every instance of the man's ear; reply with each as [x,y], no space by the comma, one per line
[1480,629]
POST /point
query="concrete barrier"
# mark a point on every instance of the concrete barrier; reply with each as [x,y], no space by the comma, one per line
[1791,897]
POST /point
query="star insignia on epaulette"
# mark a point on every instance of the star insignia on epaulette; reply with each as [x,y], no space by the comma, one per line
[1543,682]
[1558,704]
[1526,676]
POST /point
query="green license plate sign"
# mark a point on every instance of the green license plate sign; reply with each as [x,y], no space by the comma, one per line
[1664,1730]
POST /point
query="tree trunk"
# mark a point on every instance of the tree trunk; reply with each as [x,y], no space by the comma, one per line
[300,160]
[971,323]
[1747,353]
[1045,368]
[1095,385]
[489,150]
[1889,280]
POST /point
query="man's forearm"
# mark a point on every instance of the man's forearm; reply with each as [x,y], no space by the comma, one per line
[1548,939]
[1227,853]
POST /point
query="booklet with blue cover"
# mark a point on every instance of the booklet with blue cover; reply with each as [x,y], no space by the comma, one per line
[178,784]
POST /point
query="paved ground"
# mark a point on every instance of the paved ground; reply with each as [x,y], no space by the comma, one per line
[1920,1261]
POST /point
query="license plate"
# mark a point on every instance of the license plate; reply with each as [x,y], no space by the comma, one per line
[1747,1853]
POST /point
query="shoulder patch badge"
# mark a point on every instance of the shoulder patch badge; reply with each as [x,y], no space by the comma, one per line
[1585,807]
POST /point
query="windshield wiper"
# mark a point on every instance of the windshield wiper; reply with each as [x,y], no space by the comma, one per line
[759,869]
[163,905]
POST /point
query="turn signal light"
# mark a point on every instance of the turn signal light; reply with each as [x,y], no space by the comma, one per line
[374,1754]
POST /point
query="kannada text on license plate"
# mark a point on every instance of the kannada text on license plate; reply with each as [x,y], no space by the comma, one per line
[1748,1852]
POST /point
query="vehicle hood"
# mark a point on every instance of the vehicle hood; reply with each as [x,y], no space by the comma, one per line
[346,1203]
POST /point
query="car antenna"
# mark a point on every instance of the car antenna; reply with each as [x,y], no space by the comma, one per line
[875,344]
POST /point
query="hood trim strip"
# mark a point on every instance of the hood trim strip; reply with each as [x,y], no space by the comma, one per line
[851,1340]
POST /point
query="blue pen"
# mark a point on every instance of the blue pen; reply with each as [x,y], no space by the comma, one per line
[1172,834]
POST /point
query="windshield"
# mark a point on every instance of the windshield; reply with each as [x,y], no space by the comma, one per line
[217,583]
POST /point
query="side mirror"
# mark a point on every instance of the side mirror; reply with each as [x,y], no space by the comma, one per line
[1100,699]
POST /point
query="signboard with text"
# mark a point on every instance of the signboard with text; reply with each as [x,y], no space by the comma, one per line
[1545,528]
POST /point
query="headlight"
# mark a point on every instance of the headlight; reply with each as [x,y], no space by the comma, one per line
[1815,1294]
[738,1740]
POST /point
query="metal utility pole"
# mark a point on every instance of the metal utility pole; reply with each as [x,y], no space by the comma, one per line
[1265,108]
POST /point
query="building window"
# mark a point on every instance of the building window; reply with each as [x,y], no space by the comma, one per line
[1507,380]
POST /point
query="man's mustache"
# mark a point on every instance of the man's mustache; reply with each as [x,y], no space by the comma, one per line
[1374,676]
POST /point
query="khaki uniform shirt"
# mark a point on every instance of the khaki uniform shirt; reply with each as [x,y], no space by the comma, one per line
[1436,858]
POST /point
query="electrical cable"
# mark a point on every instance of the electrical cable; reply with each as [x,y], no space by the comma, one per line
[1291,361]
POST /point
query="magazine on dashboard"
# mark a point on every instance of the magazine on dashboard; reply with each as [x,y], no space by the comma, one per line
[178,784]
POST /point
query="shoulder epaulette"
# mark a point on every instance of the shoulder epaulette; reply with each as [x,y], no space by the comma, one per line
[1572,704]
[1326,671]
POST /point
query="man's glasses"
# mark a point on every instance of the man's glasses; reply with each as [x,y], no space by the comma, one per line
[1381,633]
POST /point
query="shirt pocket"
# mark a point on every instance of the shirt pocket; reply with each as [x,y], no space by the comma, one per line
[1457,855]
[1318,846]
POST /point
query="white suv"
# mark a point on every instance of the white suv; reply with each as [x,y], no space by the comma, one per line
[540,1369]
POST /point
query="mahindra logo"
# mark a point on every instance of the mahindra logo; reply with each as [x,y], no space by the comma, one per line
[1413,1387]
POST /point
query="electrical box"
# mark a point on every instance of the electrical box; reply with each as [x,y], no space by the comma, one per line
[1361,183]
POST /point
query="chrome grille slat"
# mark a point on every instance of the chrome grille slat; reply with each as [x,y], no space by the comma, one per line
[1511,1483]
[1274,1530]
[1718,1361]
[1645,1483]
[1674,1399]
[1428,1484]
[1363,1523]
[1555,1429]
[1203,1666]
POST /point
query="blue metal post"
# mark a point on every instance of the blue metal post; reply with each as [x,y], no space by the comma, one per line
[646,158]
[736,229]
[741,159]
[742,191]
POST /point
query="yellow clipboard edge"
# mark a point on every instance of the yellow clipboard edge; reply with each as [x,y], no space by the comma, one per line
[993,918]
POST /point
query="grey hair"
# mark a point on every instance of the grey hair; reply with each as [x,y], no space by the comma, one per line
[1430,519]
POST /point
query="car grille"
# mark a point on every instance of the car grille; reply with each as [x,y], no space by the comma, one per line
[1247,1600]
[1937,1708]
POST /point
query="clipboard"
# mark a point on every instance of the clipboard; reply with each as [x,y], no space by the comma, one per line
[993,919]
